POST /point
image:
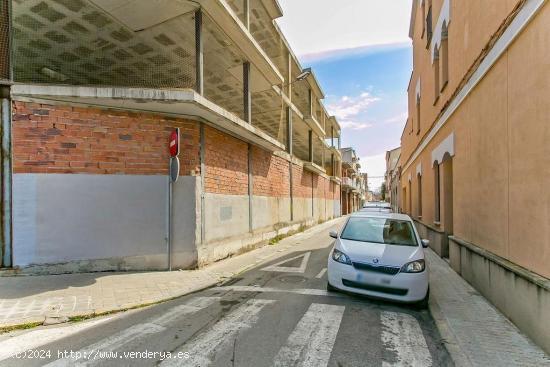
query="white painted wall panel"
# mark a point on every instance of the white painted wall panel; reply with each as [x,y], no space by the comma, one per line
[66,217]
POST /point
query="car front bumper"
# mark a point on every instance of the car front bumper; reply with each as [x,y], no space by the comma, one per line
[402,287]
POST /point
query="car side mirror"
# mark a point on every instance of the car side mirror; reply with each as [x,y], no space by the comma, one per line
[425,243]
[333,234]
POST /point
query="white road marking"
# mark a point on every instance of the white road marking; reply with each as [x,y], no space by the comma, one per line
[321,273]
[155,325]
[311,342]
[302,291]
[290,269]
[36,338]
[401,333]
[202,350]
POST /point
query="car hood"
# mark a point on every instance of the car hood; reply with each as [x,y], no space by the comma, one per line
[378,253]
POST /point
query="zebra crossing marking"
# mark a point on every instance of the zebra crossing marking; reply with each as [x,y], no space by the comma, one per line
[401,333]
[202,350]
[311,342]
[321,273]
[290,269]
[36,338]
[155,325]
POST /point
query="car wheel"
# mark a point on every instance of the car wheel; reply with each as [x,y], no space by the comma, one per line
[422,305]
[330,288]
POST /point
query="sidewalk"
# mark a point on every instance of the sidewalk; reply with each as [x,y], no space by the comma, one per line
[33,299]
[475,333]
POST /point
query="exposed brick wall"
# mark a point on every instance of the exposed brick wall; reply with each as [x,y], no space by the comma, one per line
[301,185]
[322,190]
[271,176]
[64,139]
[226,162]
[335,188]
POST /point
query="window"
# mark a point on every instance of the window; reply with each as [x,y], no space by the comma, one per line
[418,115]
[423,18]
[436,74]
[379,230]
[429,25]
[444,57]
[437,202]
[419,210]
[410,199]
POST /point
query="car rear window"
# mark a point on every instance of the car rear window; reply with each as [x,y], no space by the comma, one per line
[380,230]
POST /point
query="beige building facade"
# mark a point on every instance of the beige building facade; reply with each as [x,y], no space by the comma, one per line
[475,150]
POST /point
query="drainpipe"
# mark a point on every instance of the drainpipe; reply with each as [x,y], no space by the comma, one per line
[6,183]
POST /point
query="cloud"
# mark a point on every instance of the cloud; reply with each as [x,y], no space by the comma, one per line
[355,125]
[351,110]
[347,107]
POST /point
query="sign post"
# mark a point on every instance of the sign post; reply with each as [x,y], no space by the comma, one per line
[174,171]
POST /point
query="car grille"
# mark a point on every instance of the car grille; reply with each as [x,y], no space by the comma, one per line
[375,288]
[391,270]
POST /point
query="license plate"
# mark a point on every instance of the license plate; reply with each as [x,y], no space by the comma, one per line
[363,278]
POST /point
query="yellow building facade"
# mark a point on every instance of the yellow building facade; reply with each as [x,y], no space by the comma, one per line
[476,148]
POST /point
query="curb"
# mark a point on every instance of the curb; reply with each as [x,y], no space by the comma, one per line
[449,339]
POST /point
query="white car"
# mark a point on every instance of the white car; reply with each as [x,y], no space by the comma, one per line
[379,255]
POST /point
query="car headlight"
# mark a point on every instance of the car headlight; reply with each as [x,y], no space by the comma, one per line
[417,266]
[340,257]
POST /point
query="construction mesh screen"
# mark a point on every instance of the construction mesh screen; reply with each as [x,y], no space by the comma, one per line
[4,40]
[223,69]
[269,114]
[75,42]
[238,8]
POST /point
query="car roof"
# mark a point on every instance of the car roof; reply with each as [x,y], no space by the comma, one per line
[377,204]
[368,214]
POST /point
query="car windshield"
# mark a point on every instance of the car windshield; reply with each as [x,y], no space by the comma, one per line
[380,230]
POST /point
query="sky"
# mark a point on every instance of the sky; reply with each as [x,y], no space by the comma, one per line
[361,54]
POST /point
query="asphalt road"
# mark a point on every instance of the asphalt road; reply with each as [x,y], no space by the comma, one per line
[278,314]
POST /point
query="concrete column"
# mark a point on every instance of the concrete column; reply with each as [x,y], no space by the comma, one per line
[289,129]
[247,96]
[246,13]
[199,60]
[291,175]
[250,190]
[203,174]
[310,145]
[5,246]
[289,77]
[310,98]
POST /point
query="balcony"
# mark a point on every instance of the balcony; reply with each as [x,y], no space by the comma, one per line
[348,183]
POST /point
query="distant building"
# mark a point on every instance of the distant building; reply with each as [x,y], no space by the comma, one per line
[352,182]
[392,178]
